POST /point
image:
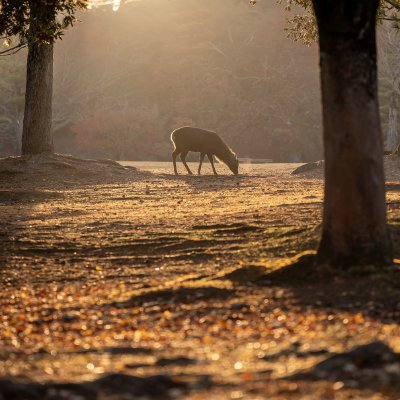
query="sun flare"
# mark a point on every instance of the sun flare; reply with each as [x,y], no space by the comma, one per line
[96,3]
[116,5]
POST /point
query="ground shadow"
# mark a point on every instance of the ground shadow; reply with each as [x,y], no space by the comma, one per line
[27,181]
[152,387]
[184,295]
[373,366]
[392,187]
[12,221]
[209,183]
[373,292]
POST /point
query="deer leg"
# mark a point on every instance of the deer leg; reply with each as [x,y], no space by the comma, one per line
[210,157]
[174,155]
[201,161]
[183,158]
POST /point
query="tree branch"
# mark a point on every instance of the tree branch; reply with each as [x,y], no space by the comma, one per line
[12,50]
[392,19]
[393,4]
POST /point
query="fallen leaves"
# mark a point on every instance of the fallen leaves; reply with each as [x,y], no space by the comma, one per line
[94,285]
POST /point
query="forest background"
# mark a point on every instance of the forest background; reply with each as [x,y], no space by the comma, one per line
[124,80]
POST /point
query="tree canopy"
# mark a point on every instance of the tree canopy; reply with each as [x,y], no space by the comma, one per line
[36,21]
[303,28]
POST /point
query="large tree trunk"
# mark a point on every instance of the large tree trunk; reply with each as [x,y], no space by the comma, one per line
[354,218]
[37,135]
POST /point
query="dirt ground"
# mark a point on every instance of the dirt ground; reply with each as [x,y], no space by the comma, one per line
[119,283]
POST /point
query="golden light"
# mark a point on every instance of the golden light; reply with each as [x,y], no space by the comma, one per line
[96,3]
[116,5]
[7,42]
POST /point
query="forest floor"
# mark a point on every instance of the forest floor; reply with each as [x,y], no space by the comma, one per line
[118,284]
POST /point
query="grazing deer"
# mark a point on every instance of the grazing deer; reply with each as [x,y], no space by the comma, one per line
[187,139]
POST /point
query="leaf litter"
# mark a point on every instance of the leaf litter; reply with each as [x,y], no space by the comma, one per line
[133,284]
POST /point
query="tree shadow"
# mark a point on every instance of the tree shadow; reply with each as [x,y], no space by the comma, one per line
[182,294]
[392,187]
[209,183]
[371,291]
[16,204]
[373,366]
[110,385]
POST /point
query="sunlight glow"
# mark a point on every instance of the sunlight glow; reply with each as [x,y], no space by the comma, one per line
[98,3]
[116,5]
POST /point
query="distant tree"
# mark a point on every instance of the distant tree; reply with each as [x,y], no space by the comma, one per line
[354,217]
[123,134]
[389,81]
[37,24]
[210,66]
[12,87]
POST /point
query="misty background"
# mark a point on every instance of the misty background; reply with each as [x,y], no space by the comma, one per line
[124,80]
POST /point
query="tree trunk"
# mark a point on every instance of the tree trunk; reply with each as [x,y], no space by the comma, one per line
[392,137]
[354,219]
[37,135]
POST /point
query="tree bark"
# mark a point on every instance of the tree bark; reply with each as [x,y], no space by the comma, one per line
[37,134]
[354,218]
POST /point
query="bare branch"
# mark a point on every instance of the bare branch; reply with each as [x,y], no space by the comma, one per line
[13,50]
[394,4]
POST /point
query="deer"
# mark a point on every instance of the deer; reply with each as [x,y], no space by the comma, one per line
[205,142]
